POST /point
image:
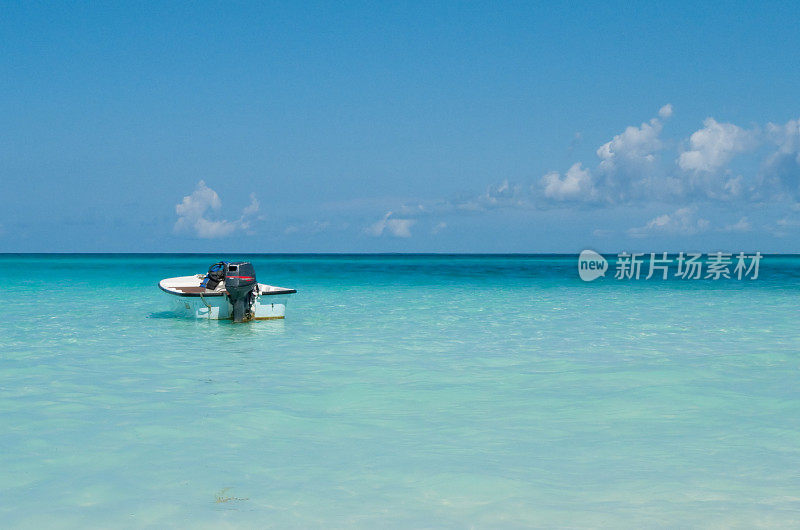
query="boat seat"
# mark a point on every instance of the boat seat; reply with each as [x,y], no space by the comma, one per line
[196,290]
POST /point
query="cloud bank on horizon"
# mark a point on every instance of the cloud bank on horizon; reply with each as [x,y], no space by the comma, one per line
[721,164]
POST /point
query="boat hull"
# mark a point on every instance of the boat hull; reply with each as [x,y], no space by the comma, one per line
[271,307]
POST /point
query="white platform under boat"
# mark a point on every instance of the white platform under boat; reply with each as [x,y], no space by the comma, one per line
[191,299]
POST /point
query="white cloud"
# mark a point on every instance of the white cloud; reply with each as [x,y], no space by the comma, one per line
[251,208]
[627,169]
[742,225]
[503,195]
[632,148]
[438,228]
[782,167]
[576,140]
[785,226]
[195,212]
[313,227]
[400,227]
[196,204]
[577,184]
[683,221]
[714,146]
[497,195]
[733,186]
[787,137]
[786,221]
[391,226]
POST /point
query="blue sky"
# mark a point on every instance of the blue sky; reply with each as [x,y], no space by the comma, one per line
[415,127]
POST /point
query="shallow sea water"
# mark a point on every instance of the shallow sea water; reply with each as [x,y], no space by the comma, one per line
[400,391]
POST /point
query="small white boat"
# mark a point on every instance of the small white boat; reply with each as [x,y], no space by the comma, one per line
[228,291]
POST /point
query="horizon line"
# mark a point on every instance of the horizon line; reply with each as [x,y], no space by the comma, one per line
[520,254]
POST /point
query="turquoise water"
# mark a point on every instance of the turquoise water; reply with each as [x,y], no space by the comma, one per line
[401,391]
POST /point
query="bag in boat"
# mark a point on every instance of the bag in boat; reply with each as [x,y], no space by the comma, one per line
[216,274]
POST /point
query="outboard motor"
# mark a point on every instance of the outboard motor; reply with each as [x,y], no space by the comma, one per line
[240,282]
